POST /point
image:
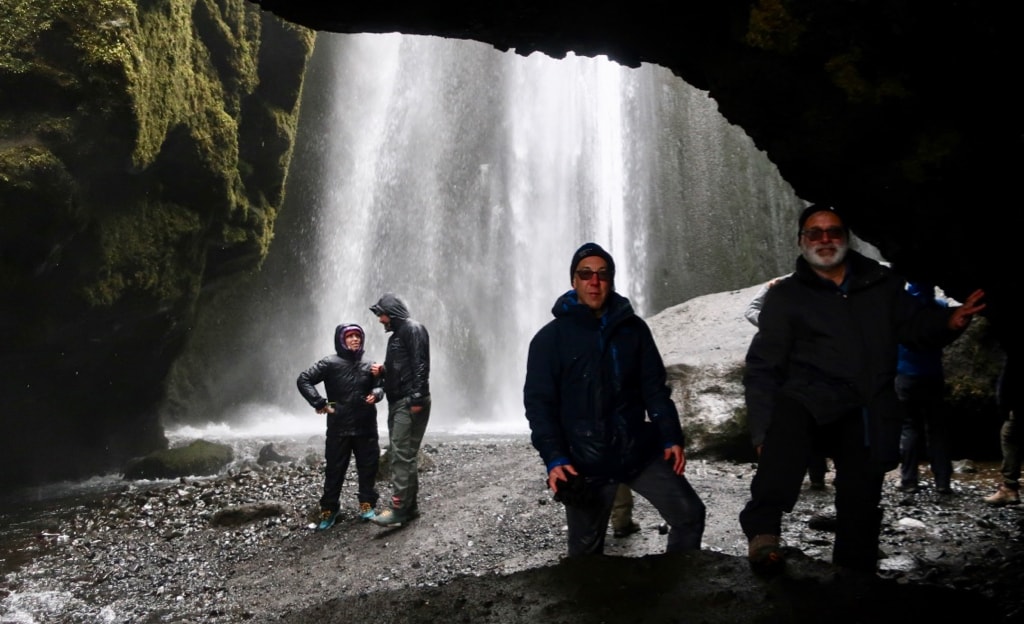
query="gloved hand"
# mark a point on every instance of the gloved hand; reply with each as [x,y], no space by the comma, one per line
[577,491]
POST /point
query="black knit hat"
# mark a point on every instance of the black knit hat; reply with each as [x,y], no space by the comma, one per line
[813,208]
[587,250]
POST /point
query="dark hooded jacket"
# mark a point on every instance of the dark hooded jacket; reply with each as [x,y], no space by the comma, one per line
[347,380]
[407,361]
[595,393]
[834,350]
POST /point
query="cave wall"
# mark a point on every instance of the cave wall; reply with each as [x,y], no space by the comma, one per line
[143,151]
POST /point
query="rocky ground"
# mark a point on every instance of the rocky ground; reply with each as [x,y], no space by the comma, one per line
[488,548]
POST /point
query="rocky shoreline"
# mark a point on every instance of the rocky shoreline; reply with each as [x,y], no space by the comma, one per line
[239,548]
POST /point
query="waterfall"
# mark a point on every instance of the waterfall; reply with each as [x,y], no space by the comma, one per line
[462,179]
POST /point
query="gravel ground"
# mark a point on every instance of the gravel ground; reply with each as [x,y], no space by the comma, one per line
[488,548]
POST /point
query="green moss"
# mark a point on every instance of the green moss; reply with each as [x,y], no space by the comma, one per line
[139,109]
[148,254]
[198,458]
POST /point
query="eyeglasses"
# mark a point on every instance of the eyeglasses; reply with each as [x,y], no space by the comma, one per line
[816,234]
[585,274]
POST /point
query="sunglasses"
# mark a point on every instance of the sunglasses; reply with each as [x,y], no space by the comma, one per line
[585,274]
[816,234]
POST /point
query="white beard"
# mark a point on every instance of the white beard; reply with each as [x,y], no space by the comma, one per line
[811,253]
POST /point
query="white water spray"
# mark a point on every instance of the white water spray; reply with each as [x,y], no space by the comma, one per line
[462,179]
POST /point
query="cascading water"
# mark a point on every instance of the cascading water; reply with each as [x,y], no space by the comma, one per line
[462,179]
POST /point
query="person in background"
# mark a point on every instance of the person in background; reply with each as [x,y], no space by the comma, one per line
[353,391]
[406,372]
[822,367]
[817,465]
[622,513]
[920,386]
[1008,392]
[601,413]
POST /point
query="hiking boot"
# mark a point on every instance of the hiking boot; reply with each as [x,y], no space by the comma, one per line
[909,488]
[327,518]
[366,511]
[395,516]
[627,530]
[1005,495]
[765,552]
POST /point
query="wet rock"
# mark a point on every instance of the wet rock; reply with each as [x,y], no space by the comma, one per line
[198,458]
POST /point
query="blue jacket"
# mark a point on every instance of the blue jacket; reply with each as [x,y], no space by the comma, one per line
[591,385]
[922,362]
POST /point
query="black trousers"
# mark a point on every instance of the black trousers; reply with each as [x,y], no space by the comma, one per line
[775,488]
[670,494]
[338,450]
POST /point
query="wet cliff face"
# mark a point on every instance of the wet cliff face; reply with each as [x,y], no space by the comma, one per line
[904,116]
[143,151]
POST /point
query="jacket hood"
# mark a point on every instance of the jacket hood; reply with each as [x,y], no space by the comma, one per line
[339,340]
[391,305]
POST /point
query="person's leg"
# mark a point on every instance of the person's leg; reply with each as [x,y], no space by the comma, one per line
[622,510]
[336,454]
[676,501]
[1010,444]
[406,437]
[910,439]
[367,454]
[817,467]
[937,428]
[587,524]
[1008,492]
[858,487]
[775,487]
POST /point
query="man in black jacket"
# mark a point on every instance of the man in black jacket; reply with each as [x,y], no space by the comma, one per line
[601,413]
[822,366]
[407,386]
[353,391]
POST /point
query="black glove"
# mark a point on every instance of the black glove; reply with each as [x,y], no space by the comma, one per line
[577,491]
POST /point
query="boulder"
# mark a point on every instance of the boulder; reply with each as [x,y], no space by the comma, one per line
[199,458]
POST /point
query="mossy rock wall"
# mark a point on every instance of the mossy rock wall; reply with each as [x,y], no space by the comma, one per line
[143,153]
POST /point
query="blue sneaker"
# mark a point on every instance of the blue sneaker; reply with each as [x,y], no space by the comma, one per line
[327,518]
[366,511]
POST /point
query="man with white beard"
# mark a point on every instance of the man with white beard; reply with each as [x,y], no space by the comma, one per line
[821,370]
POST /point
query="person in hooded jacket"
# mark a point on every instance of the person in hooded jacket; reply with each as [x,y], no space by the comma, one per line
[921,387]
[353,390]
[406,371]
[822,366]
[601,413]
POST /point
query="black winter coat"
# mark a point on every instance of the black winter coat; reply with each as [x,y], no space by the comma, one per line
[835,352]
[407,361]
[591,385]
[347,381]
